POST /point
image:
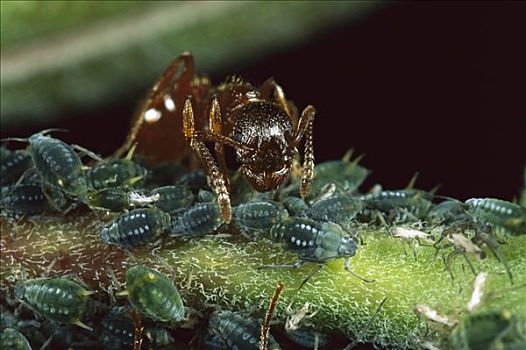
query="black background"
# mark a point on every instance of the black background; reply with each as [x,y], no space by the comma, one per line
[434,87]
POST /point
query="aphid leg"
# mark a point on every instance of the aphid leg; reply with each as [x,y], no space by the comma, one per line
[165,86]
[493,246]
[138,329]
[215,126]
[305,127]
[84,151]
[296,265]
[363,332]
[312,273]
[346,266]
[211,169]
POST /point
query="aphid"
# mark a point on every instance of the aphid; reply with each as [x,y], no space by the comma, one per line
[337,208]
[308,338]
[494,329]
[14,340]
[173,198]
[117,329]
[118,199]
[401,205]
[314,242]
[296,206]
[199,220]
[24,199]
[12,165]
[504,217]
[153,295]
[58,165]
[447,212]
[259,123]
[159,336]
[257,218]
[194,180]
[234,331]
[136,227]
[57,299]
[115,173]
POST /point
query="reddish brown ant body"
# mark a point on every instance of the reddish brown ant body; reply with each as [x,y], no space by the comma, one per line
[184,111]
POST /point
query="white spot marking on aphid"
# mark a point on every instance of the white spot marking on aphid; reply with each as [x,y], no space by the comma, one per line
[304,243]
[169,104]
[293,239]
[298,242]
[508,211]
[152,115]
[311,243]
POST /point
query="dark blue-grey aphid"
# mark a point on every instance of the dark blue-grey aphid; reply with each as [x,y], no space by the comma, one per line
[173,198]
[257,218]
[24,199]
[136,227]
[316,242]
[115,173]
[58,165]
[12,165]
[340,209]
[199,220]
[233,331]
[504,217]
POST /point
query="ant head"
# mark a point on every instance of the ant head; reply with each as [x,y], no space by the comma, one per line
[267,131]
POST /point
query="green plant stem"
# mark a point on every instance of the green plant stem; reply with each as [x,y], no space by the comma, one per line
[225,270]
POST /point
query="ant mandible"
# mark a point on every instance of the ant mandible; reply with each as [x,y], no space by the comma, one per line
[184,111]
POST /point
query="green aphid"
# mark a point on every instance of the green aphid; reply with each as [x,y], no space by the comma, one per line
[345,174]
[173,198]
[493,330]
[12,339]
[57,299]
[153,295]
[504,217]
[115,173]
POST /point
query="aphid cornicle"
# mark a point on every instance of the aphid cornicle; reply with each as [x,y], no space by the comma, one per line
[199,220]
[503,216]
[233,331]
[11,339]
[153,295]
[136,227]
[257,218]
[183,112]
[12,165]
[57,299]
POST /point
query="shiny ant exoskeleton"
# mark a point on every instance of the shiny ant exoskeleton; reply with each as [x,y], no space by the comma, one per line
[183,112]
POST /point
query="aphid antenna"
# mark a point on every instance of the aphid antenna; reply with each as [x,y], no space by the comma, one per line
[50,130]
[496,254]
[363,332]
[86,152]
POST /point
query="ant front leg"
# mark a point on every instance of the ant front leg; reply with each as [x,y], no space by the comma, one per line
[215,125]
[305,127]
[215,178]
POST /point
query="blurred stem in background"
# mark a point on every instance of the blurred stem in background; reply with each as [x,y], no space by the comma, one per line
[62,57]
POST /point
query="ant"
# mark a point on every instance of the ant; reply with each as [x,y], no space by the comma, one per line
[183,112]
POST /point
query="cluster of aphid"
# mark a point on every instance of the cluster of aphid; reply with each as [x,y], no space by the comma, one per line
[155,204]
[315,212]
